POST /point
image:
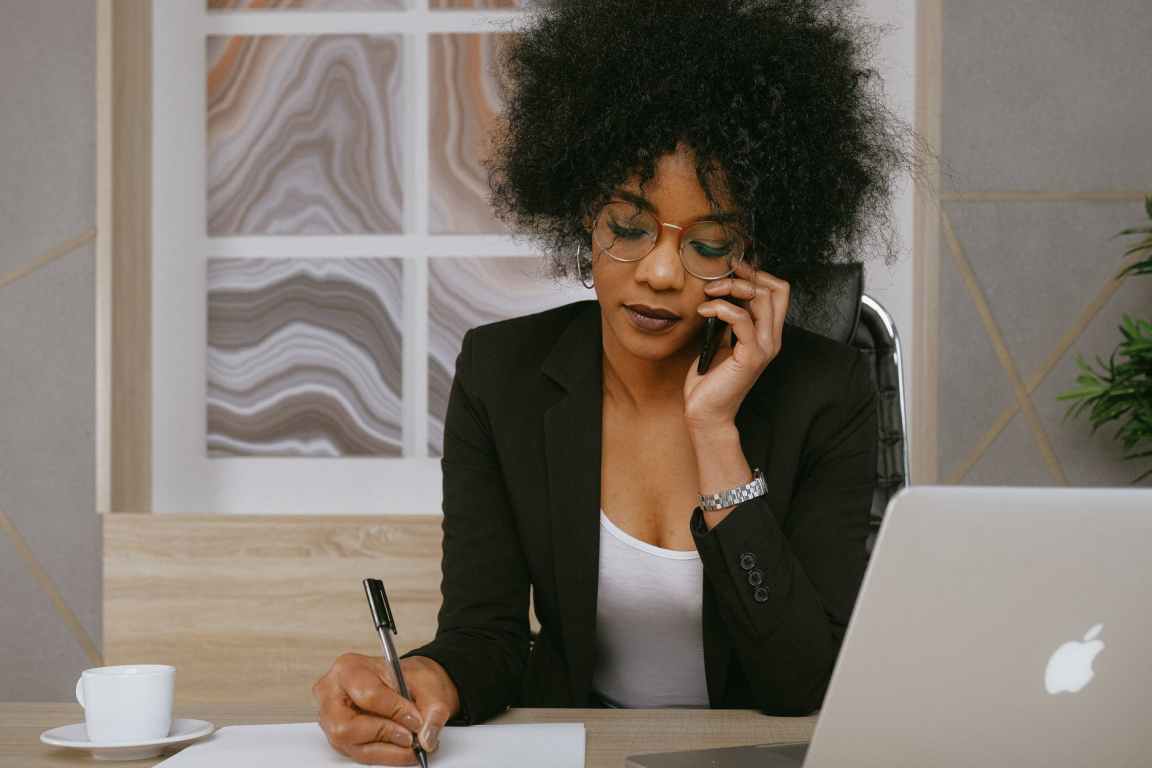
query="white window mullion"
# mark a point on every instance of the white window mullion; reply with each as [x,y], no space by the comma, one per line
[416,21]
[349,246]
[415,396]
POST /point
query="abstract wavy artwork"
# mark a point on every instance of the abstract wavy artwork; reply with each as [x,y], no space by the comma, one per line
[304,357]
[311,5]
[464,292]
[303,134]
[465,97]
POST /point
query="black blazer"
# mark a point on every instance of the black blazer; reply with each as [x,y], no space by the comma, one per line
[521,474]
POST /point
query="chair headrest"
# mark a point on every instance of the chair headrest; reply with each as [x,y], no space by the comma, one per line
[825,299]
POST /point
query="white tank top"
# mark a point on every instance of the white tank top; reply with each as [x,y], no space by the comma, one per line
[649,643]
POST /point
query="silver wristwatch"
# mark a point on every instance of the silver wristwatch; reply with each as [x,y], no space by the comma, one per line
[733,496]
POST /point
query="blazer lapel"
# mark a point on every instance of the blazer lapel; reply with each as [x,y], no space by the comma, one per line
[572,444]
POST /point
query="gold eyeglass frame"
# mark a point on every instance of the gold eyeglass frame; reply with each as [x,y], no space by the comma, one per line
[745,244]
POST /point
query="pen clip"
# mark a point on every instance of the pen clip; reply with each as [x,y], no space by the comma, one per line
[378,600]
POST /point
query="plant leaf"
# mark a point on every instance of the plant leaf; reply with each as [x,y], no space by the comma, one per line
[1119,391]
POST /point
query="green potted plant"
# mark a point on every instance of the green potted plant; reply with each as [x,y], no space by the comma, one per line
[1122,389]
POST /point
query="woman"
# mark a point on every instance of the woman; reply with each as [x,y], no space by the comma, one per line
[674,153]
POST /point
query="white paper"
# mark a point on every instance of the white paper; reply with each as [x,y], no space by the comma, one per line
[543,745]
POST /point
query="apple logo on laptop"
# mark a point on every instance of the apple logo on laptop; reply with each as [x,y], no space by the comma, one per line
[1070,667]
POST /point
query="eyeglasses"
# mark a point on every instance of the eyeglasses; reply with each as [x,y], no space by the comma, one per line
[627,233]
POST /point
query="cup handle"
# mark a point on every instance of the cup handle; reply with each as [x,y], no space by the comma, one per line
[80,691]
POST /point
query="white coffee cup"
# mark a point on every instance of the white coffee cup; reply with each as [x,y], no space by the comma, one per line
[130,702]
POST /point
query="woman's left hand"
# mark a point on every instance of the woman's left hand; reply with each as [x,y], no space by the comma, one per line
[713,398]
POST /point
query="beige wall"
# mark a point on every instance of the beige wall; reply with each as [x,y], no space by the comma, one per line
[1045,122]
[50,564]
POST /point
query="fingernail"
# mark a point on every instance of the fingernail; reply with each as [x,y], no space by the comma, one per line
[429,737]
[403,737]
[411,722]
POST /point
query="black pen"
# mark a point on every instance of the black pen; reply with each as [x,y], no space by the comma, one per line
[385,626]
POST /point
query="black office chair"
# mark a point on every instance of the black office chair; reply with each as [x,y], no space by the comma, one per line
[858,319]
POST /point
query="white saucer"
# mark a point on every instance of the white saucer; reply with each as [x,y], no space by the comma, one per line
[75,736]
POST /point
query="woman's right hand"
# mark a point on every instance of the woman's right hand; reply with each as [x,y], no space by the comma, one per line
[365,718]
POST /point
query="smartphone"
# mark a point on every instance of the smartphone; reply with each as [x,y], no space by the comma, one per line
[710,341]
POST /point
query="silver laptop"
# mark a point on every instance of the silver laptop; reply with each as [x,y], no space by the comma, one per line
[995,626]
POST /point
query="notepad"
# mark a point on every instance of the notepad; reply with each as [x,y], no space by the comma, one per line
[543,745]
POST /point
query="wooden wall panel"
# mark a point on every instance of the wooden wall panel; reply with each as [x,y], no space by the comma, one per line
[124,272]
[255,608]
[923,384]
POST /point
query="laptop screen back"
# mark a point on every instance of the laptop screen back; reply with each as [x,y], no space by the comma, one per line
[999,626]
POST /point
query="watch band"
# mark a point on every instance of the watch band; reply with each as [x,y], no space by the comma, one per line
[733,496]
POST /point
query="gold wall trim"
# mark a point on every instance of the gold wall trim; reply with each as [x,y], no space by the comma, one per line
[56,252]
[992,329]
[924,406]
[44,580]
[983,444]
[1087,315]
[1044,197]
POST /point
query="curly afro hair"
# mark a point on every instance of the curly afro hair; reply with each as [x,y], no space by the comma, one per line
[773,96]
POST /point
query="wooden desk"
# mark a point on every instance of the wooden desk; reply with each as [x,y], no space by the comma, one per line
[612,734]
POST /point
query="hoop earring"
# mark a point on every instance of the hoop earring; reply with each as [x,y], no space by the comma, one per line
[579,271]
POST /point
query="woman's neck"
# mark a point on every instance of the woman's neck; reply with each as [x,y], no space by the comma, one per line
[644,385]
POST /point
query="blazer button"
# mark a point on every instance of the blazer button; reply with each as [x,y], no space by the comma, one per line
[756,577]
[747,561]
[760,595]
